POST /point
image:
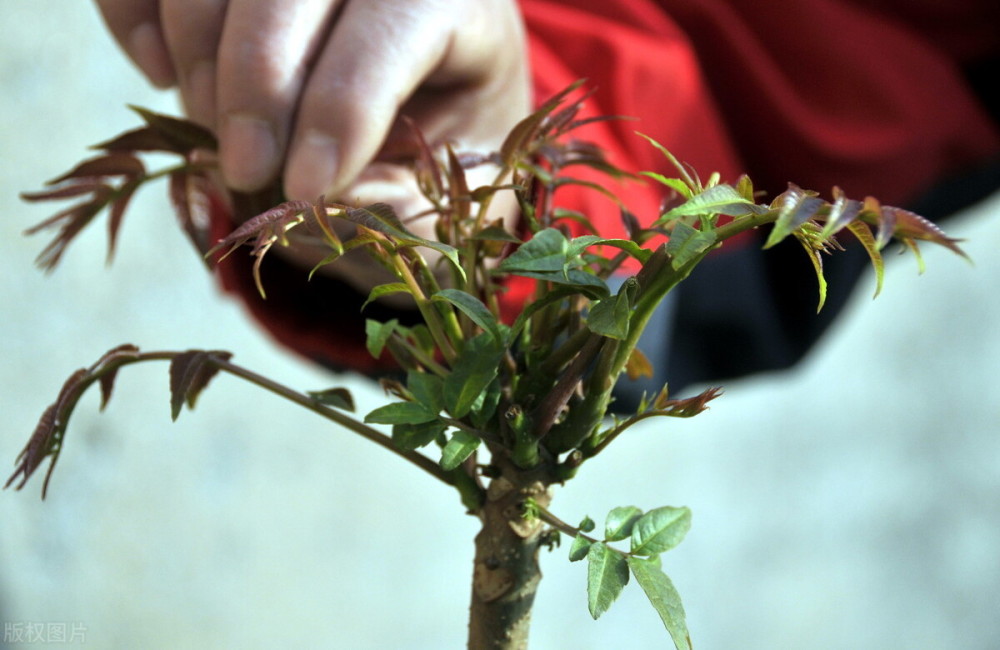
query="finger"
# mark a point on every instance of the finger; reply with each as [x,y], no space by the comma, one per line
[135,24]
[192,30]
[375,57]
[265,52]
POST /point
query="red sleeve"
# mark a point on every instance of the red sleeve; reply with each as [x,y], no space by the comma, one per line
[822,92]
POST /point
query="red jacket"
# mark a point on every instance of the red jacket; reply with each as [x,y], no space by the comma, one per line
[871,96]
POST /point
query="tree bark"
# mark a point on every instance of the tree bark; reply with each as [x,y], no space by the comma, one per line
[505,572]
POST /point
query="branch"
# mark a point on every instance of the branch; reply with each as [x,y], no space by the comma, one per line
[190,372]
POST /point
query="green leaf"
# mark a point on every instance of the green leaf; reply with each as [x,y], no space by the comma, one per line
[578,245]
[690,182]
[485,407]
[378,335]
[585,283]
[687,243]
[473,308]
[629,246]
[460,447]
[385,290]
[620,522]
[720,199]
[587,525]
[546,251]
[426,389]
[329,259]
[409,437]
[607,575]
[579,549]
[660,530]
[401,413]
[663,597]
[816,258]
[609,317]
[471,374]
[336,397]
[675,184]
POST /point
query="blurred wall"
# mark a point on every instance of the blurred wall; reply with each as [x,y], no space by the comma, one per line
[851,503]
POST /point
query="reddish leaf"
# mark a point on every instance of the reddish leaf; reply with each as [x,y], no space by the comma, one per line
[117,212]
[107,376]
[184,136]
[428,171]
[885,221]
[380,217]
[46,440]
[842,212]
[525,130]
[113,164]
[74,220]
[190,195]
[266,226]
[685,408]
[142,139]
[190,373]
[458,185]
[64,192]
[36,449]
[909,226]
[266,229]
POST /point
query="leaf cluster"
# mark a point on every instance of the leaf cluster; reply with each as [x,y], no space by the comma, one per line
[608,569]
[109,180]
[190,373]
[488,391]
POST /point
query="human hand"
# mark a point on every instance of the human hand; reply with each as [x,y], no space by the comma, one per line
[313,89]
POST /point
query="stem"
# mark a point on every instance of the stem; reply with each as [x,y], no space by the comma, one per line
[545,413]
[427,310]
[506,574]
[562,526]
[349,423]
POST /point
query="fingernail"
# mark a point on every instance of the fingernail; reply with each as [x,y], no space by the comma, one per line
[313,166]
[199,93]
[249,151]
[149,52]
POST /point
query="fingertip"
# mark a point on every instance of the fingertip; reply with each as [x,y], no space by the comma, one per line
[149,51]
[312,167]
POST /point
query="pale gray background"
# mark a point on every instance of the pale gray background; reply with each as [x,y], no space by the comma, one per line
[852,503]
